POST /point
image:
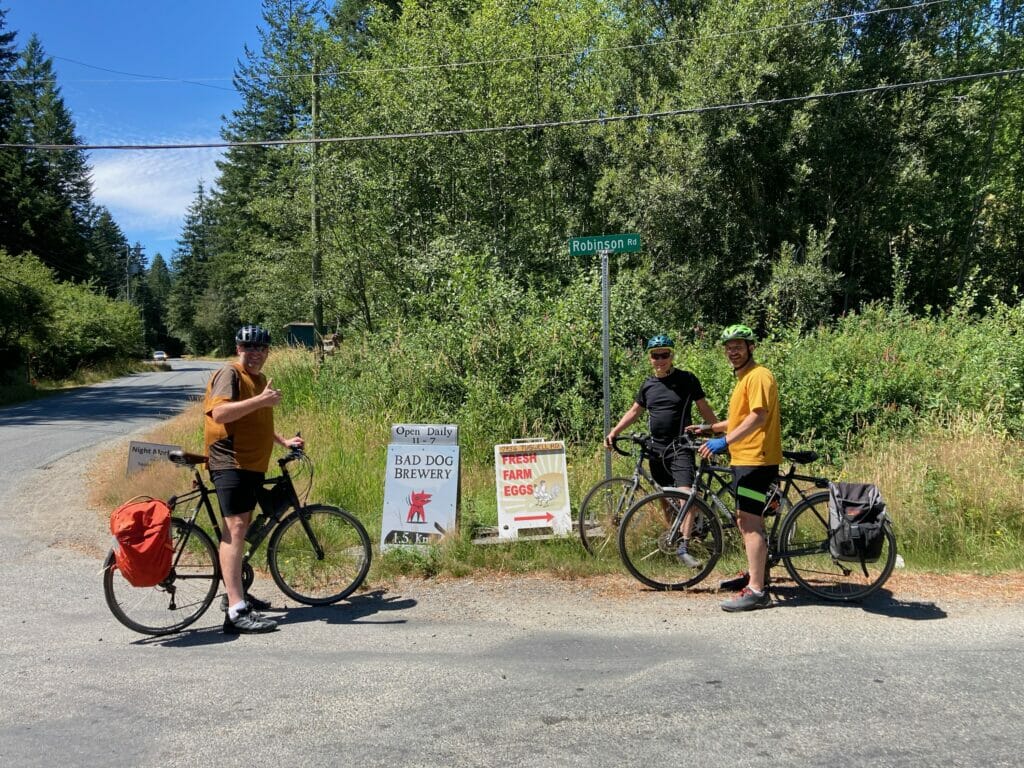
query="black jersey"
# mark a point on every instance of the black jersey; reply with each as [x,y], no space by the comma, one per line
[669,403]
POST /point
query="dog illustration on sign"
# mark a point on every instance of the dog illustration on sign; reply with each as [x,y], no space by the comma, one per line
[418,500]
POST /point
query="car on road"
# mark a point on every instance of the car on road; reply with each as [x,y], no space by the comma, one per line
[159,355]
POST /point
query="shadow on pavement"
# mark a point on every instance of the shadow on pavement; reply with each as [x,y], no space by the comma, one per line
[102,403]
[348,612]
[882,602]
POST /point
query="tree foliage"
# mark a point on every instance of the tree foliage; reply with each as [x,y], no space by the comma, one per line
[784,214]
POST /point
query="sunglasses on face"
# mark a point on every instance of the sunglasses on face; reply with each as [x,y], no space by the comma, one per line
[255,347]
[660,355]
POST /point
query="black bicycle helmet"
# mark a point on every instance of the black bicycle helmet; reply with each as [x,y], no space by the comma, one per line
[253,334]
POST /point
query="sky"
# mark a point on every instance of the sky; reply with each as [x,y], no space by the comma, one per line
[147,192]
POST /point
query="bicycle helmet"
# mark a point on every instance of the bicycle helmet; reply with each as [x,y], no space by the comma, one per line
[661,341]
[738,331]
[253,334]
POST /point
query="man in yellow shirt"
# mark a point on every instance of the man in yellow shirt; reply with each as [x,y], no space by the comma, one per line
[753,437]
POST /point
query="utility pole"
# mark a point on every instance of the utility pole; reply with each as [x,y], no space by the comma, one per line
[128,273]
[314,224]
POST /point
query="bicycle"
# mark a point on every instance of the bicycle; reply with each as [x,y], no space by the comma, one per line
[317,554]
[607,500]
[798,537]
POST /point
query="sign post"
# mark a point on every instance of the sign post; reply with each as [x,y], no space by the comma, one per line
[605,245]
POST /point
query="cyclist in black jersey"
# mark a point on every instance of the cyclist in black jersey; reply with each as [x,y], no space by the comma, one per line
[668,396]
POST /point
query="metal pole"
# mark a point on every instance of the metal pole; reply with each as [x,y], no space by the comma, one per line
[605,353]
[314,225]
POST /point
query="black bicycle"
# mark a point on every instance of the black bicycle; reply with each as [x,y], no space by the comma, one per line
[317,554]
[607,500]
[652,529]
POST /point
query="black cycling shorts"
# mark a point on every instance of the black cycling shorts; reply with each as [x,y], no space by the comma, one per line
[236,490]
[751,487]
[671,467]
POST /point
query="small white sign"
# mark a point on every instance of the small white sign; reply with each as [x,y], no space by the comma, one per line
[424,434]
[533,487]
[141,454]
[421,487]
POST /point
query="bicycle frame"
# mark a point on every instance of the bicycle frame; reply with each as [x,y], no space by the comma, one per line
[787,483]
[271,513]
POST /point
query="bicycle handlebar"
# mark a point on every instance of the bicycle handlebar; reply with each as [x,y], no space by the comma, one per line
[637,438]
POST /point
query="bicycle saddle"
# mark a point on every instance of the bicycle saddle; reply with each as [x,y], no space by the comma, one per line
[801,457]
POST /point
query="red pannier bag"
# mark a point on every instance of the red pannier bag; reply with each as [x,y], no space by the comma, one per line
[142,547]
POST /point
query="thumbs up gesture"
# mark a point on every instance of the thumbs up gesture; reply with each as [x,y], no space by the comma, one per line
[271,396]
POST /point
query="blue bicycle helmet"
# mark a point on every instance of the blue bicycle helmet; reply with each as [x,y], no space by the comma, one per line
[661,341]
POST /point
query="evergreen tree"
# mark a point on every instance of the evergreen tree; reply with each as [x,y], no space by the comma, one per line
[53,188]
[108,254]
[10,160]
[190,266]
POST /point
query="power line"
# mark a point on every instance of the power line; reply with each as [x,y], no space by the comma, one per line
[532,126]
[205,81]
[144,78]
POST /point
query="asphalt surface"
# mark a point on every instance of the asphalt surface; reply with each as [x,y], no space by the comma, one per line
[512,671]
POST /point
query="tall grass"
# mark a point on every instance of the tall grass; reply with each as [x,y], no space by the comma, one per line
[955,491]
[929,409]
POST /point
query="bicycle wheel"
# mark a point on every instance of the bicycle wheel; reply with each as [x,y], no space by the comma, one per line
[804,551]
[179,599]
[602,510]
[648,546]
[319,554]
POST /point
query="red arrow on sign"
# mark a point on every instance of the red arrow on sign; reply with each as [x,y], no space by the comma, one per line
[546,516]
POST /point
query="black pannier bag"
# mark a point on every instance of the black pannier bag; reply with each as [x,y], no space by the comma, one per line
[856,521]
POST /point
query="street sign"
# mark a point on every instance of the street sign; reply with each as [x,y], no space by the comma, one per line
[582,246]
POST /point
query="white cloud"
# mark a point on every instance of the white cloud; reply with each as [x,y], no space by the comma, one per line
[150,190]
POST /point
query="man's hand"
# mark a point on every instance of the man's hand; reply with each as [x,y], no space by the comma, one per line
[270,396]
[716,445]
[608,439]
[294,442]
[703,429]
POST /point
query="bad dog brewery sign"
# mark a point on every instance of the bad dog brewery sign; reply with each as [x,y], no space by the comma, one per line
[421,487]
[533,488]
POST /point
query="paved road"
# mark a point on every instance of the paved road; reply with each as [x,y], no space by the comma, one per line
[516,671]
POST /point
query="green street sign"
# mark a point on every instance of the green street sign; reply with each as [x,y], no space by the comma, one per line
[582,246]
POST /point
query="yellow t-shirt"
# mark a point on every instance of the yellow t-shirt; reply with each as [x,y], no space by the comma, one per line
[756,388]
[248,442]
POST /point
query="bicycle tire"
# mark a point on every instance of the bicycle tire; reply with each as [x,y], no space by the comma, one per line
[178,600]
[602,510]
[312,579]
[647,546]
[803,548]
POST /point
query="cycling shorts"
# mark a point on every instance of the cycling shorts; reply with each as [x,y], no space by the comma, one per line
[237,490]
[751,487]
[672,468]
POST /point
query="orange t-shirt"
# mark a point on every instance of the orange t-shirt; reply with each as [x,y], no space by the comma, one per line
[763,447]
[248,442]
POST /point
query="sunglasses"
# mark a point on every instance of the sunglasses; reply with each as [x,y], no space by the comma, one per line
[660,355]
[255,347]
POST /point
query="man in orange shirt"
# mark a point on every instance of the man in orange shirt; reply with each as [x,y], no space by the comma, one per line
[753,437]
[239,436]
